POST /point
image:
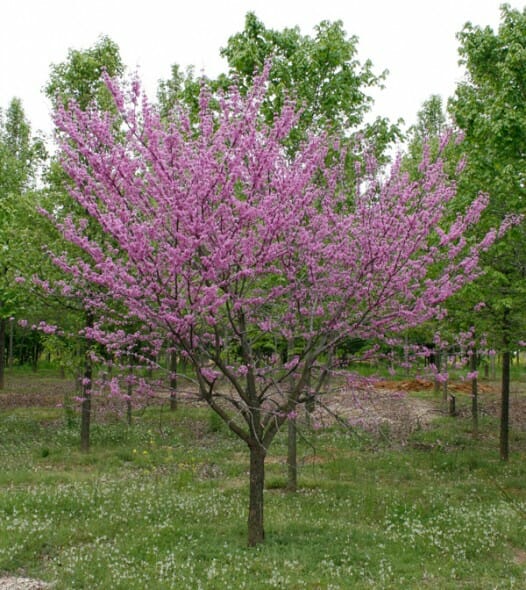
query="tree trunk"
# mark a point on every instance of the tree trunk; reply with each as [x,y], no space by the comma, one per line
[173,380]
[452,406]
[505,406]
[3,323]
[438,360]
[474,396]
[11,338]
[256,532]
[34,358]
[129,391]
[85,408]
[493,369]
[444,384]
[292,459]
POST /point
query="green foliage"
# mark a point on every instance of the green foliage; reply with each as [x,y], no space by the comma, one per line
[79,78]
[489,108]
[20,157]
[321,73]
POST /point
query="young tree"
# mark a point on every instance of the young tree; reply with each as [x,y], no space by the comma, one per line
[216,238]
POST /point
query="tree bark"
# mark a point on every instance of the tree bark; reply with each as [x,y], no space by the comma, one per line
[129,391]
[173,380]
[85,409]
[11,338]
[505,406]
[3,323]
[438,359]
[292,458]
[444,383]
[493,369]
[256,532]
[474,396]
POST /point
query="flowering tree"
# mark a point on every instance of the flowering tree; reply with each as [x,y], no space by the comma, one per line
[215,238]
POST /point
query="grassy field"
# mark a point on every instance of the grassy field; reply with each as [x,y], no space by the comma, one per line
[162,505]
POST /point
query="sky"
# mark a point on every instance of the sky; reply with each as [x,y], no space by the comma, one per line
[414,39]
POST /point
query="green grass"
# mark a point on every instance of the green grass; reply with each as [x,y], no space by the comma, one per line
[162,505]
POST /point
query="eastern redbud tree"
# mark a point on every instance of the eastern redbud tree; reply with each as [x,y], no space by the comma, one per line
[212,235]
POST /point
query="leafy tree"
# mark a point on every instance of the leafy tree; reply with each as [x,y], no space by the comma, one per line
[79,79]
[221,240]
[322,74]
[19,157]
[489,107]
[79,76]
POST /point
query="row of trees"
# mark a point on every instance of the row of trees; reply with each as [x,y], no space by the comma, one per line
[226,226]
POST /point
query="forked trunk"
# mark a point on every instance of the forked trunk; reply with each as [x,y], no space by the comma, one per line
[256,532]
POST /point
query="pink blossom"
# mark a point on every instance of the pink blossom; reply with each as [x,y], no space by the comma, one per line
[209,374]
[292,363]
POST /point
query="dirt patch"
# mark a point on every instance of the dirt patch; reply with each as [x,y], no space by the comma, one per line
[35,391]
[383,412]
[12,583]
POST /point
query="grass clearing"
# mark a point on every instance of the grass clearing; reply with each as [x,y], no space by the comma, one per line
[162,505]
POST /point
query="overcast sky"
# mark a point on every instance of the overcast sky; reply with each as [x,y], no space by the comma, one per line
[414,39]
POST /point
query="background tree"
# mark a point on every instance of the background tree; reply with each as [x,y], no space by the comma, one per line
[79,79]
[322,74]
[223,241]
[489,107]
[20,154]
[79,76]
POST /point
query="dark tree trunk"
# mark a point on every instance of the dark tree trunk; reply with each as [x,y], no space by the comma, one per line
[256,532]
[452,405]
[34,357]
[505,406]
[11,338]
[493,368]
[129,391]
[474,396]
[445,384]
[85,409]
[292,459]
[3,323]
[438,360]
[173,380]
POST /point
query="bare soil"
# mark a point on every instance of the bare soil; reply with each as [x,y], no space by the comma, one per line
[12,583]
